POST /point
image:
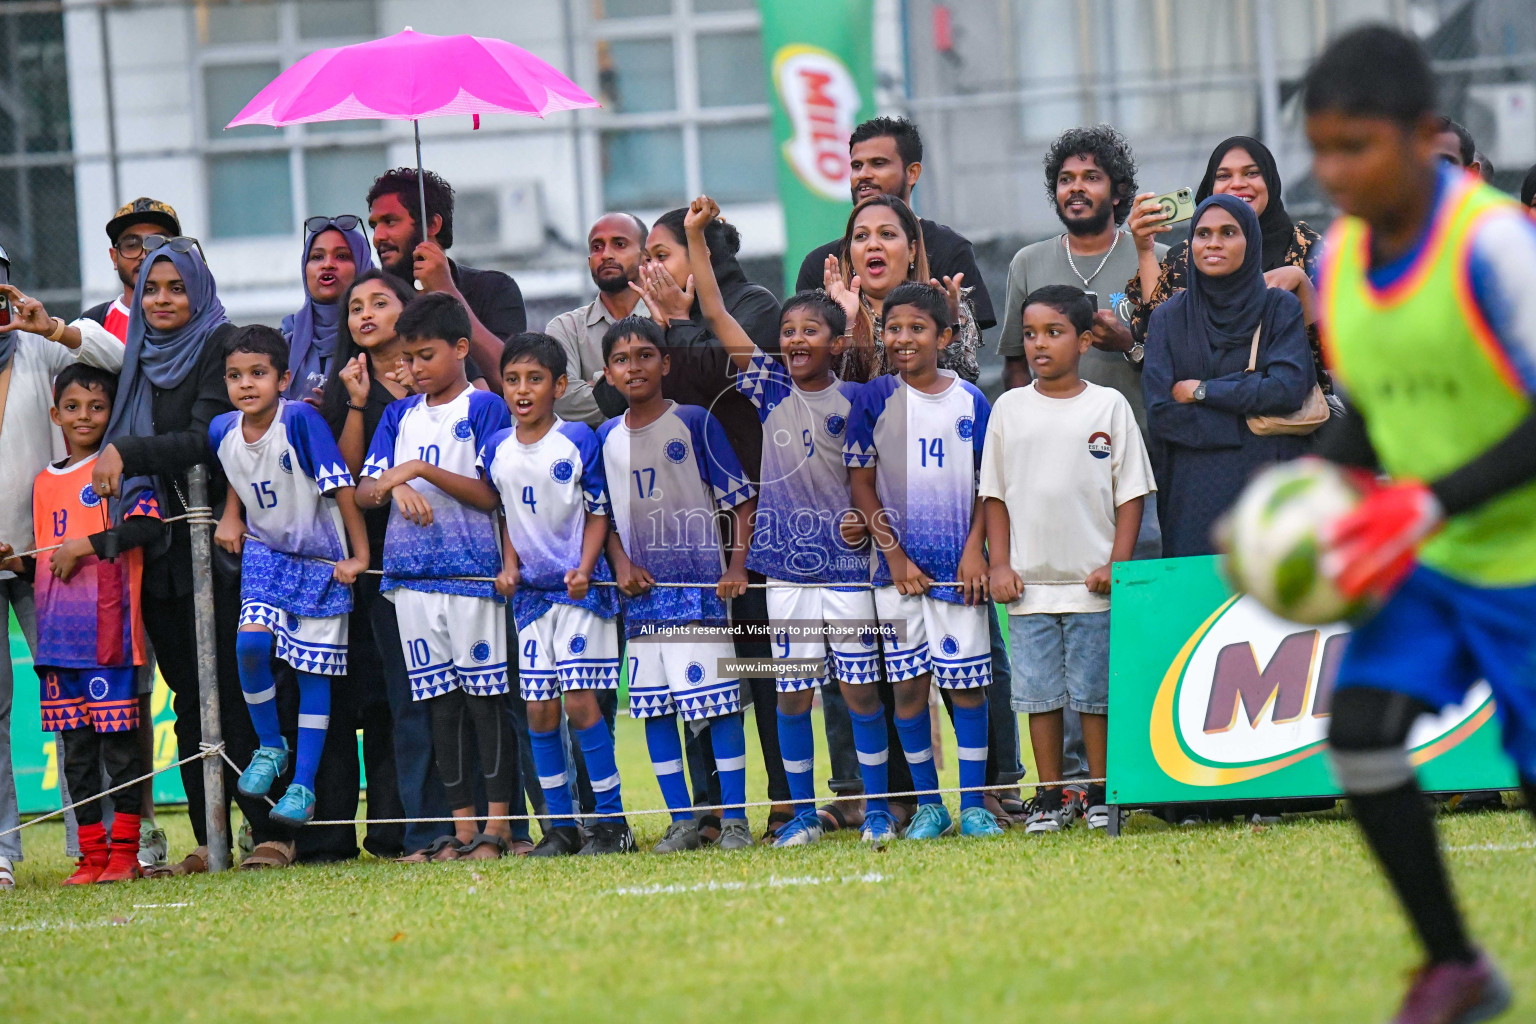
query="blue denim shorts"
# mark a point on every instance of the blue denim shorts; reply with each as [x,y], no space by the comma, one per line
[1060,660]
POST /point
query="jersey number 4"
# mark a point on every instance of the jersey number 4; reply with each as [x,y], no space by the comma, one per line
[528,499]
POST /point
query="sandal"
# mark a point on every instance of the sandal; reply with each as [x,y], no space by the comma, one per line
[1014,807]
[194,863]
[274,853]
[430,852]
[470,850]
[709,829]
[776,821]
[836,815]
[520,847]
[7,874]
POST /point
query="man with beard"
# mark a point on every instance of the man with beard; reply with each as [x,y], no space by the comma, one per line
[1090,176]
[495,303]
[885,155]
[615,246]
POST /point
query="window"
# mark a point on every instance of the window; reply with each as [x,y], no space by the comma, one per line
[685,102]
[249,194]
[262,181]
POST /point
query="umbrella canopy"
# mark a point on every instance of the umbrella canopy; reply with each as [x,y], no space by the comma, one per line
[413,75]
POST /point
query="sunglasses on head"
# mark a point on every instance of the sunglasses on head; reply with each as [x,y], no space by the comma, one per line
[346,222]
[180,243]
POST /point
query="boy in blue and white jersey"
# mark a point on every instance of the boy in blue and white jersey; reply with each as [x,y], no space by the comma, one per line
[796,536]
[288,477]
[424,458]
[549,474]
[914,451]
[674,483]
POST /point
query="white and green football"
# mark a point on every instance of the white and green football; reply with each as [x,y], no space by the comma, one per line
[1273,539]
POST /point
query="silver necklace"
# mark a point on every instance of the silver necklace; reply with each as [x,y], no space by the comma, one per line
[1073,263]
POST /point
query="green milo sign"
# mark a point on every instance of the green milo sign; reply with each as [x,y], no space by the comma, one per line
[1214,698]
[820,57]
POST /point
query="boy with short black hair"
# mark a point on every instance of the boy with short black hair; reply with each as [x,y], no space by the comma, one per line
[90,633]
[914,446]
[679,483]
[1428,294]
[289,480]
[1064,475]
[549,475]
[425,459]
[795,538]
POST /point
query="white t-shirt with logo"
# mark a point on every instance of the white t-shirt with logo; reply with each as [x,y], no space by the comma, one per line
[1062,466]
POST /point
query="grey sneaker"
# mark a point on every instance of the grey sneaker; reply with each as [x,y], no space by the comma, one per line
[735,834]
[680,836]
[153,848]
[1047,813]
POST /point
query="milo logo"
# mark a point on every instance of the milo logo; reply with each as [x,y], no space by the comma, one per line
[821,100]
[1249,694]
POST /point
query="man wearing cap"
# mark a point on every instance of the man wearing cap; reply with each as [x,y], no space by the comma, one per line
[34,347]
[127,230]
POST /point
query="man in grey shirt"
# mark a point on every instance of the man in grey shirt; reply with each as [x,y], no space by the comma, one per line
[614,248]
[1090,176]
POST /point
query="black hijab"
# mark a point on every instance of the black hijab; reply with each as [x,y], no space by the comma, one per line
[1274,223]
[1221,312]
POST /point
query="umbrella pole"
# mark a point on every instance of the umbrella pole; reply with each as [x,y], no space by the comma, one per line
[421,181]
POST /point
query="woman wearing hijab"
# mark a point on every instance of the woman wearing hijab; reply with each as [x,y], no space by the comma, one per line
[336,252]
[1199,391]
[1245,168]
[171,388]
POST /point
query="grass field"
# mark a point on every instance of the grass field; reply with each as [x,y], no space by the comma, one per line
[1222,923]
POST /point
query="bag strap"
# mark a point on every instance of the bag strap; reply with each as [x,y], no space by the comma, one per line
[1253,352]
[5,385]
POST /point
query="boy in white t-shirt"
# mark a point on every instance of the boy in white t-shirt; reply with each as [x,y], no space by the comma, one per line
[1064,474]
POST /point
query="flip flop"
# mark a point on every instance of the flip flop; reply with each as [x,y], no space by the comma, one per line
[520,847]
[480,842]
[776,821]
[7,875]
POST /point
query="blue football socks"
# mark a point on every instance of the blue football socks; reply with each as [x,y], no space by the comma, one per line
[314,719]
[253,650]
[666,750]
[971,741]
[916,736]
[597,748]
[730,746]
[549,760]
[797,744]
[869,739]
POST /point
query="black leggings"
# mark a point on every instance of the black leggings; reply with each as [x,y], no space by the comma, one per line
[456,749]
[86,753]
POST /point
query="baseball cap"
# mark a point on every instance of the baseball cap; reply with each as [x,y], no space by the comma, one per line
[143,210]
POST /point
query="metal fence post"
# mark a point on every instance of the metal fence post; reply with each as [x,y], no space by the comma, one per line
[208,675]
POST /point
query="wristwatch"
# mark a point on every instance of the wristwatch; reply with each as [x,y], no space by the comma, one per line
[1200,392]
[1137,353]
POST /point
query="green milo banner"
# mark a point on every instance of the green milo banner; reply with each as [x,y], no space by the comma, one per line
[1214,698]
[33,751]
[820,62]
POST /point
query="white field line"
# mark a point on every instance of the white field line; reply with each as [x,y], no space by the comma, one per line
[869,878]
[1529,844]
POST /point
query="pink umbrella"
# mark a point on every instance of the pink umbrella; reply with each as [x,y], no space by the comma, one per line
[409,76]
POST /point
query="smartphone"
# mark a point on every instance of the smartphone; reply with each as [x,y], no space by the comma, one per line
[1178,205]
[5,311]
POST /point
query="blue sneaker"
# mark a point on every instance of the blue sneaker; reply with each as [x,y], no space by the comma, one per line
[879,829]
[978,821]
[266,765]
[296,809]
[930,822]
[801,830]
